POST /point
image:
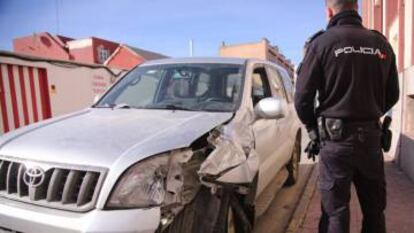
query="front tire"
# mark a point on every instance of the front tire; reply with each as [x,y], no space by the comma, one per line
[208,213]
[293,165]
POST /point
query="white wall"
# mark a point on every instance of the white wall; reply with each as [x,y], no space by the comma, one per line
[75,85]
[408,30]
[406,156]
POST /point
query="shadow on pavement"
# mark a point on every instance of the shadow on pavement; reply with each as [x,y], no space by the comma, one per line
[278,215]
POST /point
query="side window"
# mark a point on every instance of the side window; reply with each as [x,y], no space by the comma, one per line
[288,83]
[276,83]
[260,85]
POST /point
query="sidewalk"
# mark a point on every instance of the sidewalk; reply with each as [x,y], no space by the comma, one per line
[399,213]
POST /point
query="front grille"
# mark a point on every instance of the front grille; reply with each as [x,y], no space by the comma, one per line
[51,185]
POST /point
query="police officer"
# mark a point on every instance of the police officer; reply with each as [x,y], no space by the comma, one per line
[352,73]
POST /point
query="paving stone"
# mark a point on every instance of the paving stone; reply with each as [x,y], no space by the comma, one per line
[399,212]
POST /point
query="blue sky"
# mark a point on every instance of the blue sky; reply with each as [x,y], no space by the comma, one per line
[166,26]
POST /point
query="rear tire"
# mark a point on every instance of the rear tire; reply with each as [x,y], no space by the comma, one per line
[293,165]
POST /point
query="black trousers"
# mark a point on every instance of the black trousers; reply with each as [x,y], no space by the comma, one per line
[357,159]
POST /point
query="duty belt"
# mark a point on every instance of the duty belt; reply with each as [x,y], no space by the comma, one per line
[333,128]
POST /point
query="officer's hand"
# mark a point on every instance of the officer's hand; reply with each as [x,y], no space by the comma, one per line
[313,149]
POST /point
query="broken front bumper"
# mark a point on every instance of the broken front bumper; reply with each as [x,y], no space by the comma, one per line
[20,217]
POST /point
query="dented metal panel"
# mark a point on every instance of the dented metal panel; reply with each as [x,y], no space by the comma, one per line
[234,159]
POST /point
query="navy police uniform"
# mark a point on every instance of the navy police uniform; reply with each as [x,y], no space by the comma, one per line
[351,72]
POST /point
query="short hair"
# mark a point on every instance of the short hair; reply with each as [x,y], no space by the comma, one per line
[341,5]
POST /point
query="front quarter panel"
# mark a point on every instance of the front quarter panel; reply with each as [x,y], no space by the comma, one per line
[171,140]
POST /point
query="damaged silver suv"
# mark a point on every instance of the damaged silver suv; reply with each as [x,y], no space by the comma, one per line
[176,146]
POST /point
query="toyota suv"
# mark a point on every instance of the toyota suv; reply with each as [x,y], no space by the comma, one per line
[176,145]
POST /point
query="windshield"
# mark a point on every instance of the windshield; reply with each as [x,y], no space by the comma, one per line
[193,87]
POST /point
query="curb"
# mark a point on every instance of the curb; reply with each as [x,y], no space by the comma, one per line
[300,213]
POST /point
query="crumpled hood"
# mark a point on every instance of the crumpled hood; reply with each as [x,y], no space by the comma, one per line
[102,137]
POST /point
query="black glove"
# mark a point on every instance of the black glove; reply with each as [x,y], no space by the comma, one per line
[313,147]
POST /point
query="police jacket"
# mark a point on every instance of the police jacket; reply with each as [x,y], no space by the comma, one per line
[351,69]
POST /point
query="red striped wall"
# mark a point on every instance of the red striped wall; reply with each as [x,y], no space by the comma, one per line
[24,96]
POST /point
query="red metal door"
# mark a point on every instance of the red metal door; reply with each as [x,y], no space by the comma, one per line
[24,96]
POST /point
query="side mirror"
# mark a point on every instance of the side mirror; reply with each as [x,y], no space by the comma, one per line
[96,99]
[270,108]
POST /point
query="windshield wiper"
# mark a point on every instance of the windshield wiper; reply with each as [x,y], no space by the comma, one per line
[113,106]
[121,106]
[171,107]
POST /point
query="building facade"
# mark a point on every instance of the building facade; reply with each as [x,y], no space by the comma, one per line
[395,19]
[33,89]
[90,50]
[261,50]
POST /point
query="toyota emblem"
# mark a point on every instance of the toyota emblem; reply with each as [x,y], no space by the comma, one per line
[33,177]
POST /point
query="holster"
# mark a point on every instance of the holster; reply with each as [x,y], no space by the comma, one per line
[330,129]
[386,140]
[323,135]
[386,137]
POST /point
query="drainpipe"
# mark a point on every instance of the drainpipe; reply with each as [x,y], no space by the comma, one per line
[402,118]
[401,66]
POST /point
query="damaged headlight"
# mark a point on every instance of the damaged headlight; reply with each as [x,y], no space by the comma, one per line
[142,185]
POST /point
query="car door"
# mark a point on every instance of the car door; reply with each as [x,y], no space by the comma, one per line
[265,130]
[292,120]
[285,139]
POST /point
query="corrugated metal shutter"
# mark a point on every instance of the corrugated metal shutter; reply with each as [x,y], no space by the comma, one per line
[24,96]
